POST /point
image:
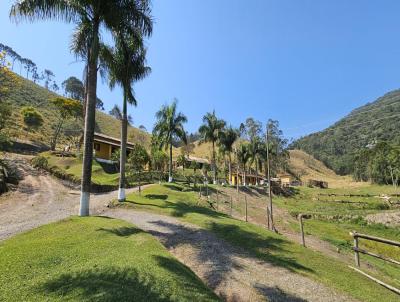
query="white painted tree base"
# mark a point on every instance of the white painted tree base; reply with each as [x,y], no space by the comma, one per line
[121,194]
[84,204]
[169,178]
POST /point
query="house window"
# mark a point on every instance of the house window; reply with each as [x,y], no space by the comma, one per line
[97,146]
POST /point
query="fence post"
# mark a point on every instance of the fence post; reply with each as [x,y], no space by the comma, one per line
[231,205]
[356,253]
[303,242]
[245,201]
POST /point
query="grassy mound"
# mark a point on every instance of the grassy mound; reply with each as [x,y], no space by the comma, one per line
[94,259]
[175,200]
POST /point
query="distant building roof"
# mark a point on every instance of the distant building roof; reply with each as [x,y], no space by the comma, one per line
[102,138]
[197,159]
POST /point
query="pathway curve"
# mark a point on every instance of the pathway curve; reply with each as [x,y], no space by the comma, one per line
[231,272]
[42,199]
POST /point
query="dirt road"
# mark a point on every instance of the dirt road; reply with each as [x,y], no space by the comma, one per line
[231,272]
[41,199]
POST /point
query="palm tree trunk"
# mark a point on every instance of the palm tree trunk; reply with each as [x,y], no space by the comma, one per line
[90,120]
[230,168]
[214,164]
[256,172]
[124,130]
[170,163]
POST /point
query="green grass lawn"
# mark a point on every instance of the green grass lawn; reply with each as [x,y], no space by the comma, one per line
[94,259]
[169,199]
[73,166]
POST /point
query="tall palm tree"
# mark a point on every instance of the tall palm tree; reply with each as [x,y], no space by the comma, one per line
[91,18]
[227,138]
[169,126]
[243,156]
[255,149]
[210,131]
[126,64]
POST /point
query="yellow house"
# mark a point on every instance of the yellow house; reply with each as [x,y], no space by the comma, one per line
[250,179]
[105,145]
[286,179]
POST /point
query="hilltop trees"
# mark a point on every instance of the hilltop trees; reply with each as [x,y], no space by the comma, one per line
[210,131]
[379,164]
[169,126]
[91,19]
[73,88]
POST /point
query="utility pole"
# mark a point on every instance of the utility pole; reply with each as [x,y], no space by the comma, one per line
[269,211]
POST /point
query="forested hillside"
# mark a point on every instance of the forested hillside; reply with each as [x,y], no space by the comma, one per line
[27,93]
[363,127]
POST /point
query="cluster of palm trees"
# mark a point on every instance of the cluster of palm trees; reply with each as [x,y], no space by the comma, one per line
[128,22]
[249,143]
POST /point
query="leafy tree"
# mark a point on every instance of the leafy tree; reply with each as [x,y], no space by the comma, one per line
[126,64]
[277,147]
[227,138]
[116,112]
[181,161]
[73,88]
[32,118]
[137,160]
[159,159]
[48,76]
[169,126]
[210,131]
[255,150]
[66,108]
[91,18]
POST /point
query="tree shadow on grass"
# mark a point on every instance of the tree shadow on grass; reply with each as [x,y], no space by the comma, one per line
[276,294]
[178,209]
[173,187]
[269,248]
[122,231]
[192,284]
[108,284]
[156,196]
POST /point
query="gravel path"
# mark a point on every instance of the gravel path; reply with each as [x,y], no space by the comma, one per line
[229,271]
[41,199]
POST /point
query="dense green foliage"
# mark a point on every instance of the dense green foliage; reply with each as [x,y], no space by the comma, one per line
[94,259]
[379,164]
[336,145]
[31,117]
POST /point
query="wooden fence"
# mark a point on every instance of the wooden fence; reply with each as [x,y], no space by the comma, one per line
[356,236]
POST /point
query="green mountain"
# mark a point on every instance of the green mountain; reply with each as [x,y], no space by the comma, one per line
[31,94]
[335,146]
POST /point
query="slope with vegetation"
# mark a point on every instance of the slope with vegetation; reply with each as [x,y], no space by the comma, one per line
[31,94]
[364,126]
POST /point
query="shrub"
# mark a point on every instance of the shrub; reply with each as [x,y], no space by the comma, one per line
[40,162]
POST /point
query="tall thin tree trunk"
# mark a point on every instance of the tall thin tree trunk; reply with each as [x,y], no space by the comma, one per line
[214,164]
[90,120]
[170,163]
[269,211]
[256,172]
[124,131]
[230,168]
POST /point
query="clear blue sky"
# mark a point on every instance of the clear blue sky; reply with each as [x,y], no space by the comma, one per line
[306,63]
